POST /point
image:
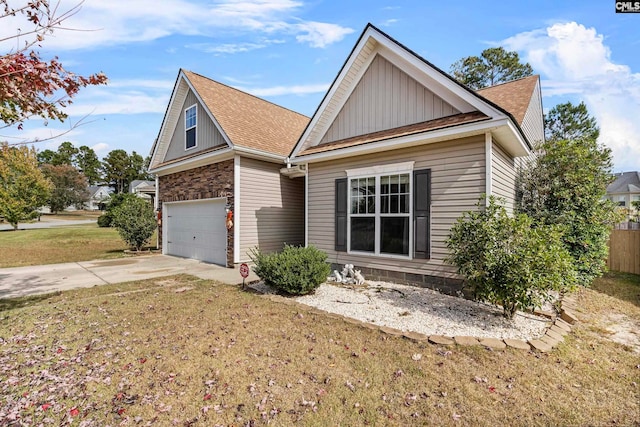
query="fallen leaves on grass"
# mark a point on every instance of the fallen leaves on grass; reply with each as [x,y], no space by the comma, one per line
[153,357]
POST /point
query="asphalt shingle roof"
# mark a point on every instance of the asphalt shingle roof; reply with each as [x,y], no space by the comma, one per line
[626,182]
[249,121]
[513,96]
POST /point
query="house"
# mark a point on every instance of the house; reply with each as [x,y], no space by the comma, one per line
[217,161]
[625,190]
[143,189]
[98,197]
[398,150]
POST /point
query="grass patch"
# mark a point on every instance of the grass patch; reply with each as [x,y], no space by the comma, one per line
[183,351]
[72,215]
[621,286]
[60,244]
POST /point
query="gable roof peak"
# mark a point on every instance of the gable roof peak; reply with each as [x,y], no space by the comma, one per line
[373,42]
[513,96]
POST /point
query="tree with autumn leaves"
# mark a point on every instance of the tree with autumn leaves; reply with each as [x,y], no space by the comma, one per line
[31,87]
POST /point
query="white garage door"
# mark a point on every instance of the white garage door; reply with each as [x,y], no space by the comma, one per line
[196,229]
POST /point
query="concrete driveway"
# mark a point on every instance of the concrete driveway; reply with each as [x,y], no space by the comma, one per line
[46,224]
[23,281]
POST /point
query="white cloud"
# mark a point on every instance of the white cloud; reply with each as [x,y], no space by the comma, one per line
[389,22]
[228,48]
[575,62]
[43,137]
[101,23]
[101,148]
[125,96]
[142,83]
[286,90]
[320,34]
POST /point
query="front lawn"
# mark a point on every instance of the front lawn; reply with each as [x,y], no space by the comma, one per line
[183,351]
[61,244]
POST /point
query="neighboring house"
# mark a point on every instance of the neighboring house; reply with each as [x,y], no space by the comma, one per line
[217,162]
[98,197]
[143,189]
[624,190]
[398,150]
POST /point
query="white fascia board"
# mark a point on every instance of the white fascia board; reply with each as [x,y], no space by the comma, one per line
[194,162]
[510,137]
[260,155]
[170,120]
[335,86]
[400,142]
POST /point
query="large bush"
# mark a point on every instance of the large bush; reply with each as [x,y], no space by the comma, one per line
[294,271]
[565,184]
[135,221]
[508,261]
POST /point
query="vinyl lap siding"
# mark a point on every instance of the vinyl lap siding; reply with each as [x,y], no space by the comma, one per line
[533,122]
[385,98]
[458,180]
[207,134]
[503,176]
[271,207]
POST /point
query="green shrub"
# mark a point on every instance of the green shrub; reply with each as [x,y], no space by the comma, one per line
[104,220]
[509,261]
[294,271]
[565,185]
[135,221]
[115,200]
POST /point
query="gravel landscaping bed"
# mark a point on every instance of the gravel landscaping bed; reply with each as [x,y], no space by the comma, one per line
[414,309]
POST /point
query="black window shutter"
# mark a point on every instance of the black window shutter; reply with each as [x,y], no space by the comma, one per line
[422,213]
[341,215]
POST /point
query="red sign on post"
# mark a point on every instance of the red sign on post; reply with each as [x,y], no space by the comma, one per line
[244,270]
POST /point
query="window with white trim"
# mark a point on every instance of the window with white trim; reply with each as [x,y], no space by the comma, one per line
[190,122]
[379,219]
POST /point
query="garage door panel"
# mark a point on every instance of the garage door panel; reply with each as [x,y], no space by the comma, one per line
[197,230]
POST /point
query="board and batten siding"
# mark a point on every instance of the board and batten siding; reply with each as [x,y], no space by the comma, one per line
[457,181]
[207,134]
[503,176]
[271,208]
[385,98]
[333,104]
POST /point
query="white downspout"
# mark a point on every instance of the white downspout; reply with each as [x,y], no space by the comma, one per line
[488,150]
[156,204]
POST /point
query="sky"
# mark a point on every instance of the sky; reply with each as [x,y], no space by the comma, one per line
[289,52]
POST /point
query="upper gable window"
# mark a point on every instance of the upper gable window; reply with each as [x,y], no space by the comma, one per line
[190,120]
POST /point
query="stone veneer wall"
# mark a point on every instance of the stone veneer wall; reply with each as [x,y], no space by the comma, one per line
[205,182]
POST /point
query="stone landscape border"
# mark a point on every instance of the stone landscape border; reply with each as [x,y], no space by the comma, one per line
[560,327]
